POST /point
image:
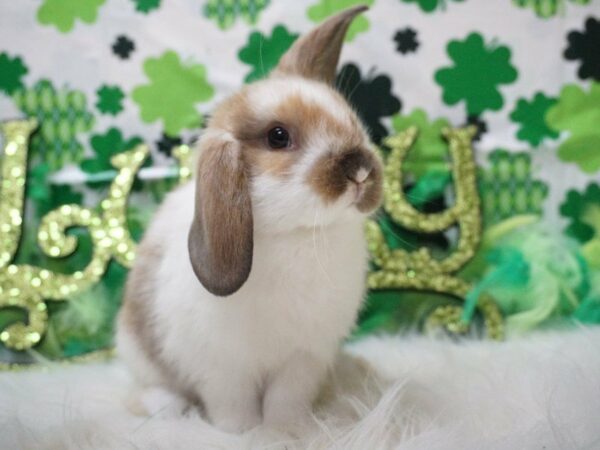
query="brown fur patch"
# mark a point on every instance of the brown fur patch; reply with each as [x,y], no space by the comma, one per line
[306,117]
[136,317]
[139,294]
[332,175]
[220,241]
[278,163]
[138,298]
[300,117]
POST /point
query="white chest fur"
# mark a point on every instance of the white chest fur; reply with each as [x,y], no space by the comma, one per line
[302,296]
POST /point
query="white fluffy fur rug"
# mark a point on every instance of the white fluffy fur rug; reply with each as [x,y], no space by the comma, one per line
[539,392]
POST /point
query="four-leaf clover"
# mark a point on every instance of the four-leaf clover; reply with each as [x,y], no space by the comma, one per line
[371,96]
[531,116]
[478,70]
[585,46]
[123,47]
[110,100]
[172,93]
[11,72]
[145,6]
[406,40]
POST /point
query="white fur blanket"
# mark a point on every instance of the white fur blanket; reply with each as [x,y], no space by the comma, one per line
[539,392]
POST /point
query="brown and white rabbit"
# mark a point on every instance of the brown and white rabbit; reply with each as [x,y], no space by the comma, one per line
[248,279]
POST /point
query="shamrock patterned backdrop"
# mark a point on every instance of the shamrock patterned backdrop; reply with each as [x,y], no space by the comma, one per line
[104,75]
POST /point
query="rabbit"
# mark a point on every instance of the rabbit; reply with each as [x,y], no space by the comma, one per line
[250,276]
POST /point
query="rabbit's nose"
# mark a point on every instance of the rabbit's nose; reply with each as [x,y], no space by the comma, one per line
[360,175]
[356,166]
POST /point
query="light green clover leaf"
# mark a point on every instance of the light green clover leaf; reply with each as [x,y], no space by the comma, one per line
[578,113]
[547,8]
[325,8]
[173,92]
[63,13]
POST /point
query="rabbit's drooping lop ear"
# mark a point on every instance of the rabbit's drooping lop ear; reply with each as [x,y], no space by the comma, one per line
[220,241]
[316,55]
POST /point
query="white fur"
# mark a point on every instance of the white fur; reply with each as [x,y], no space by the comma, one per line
[266,95]
[259,355]
[271,342]
[536,392]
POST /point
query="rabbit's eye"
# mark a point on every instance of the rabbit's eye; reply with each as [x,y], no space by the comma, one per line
[278,138]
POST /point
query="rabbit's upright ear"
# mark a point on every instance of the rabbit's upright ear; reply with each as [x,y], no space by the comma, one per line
[316,55]
[220,240]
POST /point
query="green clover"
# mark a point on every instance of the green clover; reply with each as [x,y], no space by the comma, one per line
[430,151]
[583,208]
[547,8]
[478,70]
[263,53]
[145,6]
[63,13]
[531,116]
[45,195]
[11,72]
[430,5]
[110,100]
[105,147]
[578,113]
[172,93]
[326,8]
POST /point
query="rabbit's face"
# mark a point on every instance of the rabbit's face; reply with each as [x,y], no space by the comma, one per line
[308,156]
[281,154]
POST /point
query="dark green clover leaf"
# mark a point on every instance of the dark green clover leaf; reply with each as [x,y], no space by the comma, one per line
[477,72]
[430,5]
[11,72]
[105,147]
[583,210]
[110,100]
[531,116]
[262,53]
[372,97]
[145,6]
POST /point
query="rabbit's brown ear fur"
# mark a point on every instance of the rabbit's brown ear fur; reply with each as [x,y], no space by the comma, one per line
[220,240]
[316,55]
